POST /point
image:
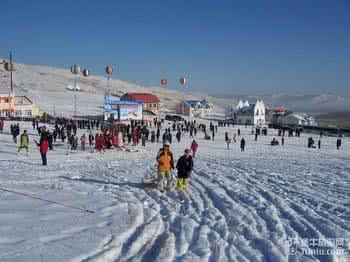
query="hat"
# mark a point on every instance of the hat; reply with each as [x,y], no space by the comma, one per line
[187,150]
[167,144]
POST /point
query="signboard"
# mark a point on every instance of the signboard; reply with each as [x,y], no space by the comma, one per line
[130,112]
[122,110]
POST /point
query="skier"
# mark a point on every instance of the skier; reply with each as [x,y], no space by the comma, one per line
[194,147]
[242,144]
[319,144]
[165,162]
[239,132]
[184,168]
[24,141]
[282,140]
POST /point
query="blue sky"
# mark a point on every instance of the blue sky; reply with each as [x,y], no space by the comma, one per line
[223,47]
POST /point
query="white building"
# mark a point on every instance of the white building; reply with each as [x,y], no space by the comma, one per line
[197,108]
[298,120]
[250,114]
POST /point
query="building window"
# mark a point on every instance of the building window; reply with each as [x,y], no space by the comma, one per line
[28,113]
[18,112]
[7,100]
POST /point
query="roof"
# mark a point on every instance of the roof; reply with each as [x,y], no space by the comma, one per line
[197,103]
[22,100]
[148,113]
[279,110]
[246,110]
[141,97]
[299,117]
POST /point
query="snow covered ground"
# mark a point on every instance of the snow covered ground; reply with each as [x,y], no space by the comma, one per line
[241,206]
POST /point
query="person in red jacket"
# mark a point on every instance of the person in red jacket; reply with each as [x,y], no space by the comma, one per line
[100,141]
[44,145]
[114,140]
[194,147]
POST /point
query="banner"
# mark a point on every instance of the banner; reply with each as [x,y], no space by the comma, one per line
[130,112]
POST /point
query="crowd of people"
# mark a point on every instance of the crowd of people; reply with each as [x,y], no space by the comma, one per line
[98,136]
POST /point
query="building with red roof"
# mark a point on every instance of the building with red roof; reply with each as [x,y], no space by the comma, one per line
[150,102]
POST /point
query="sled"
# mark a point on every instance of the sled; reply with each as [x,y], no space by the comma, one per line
[150,178]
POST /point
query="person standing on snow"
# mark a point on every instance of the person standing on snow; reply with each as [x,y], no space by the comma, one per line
[153,137]
[91,141]
[1,125]
[15,133]
[24,141]
[165,162]
[194,147]
[158,134]
[242,144]
[82,142]
[50,140]
[100,141]
[43,144]
[184,168]
[338,143]
[228,142]
[178,136]
[143,139]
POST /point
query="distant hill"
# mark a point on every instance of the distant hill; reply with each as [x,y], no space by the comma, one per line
[336,119]
[49,88]
[300,102]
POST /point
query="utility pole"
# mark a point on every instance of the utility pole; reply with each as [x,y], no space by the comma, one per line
[11,71]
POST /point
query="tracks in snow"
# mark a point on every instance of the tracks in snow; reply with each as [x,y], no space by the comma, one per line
[235,211]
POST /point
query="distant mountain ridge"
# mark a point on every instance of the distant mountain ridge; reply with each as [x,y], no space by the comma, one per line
[300,102]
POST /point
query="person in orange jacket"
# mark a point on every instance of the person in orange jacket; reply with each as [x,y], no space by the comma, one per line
[165,162]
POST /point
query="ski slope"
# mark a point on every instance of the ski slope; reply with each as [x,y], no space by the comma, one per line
[241,206]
